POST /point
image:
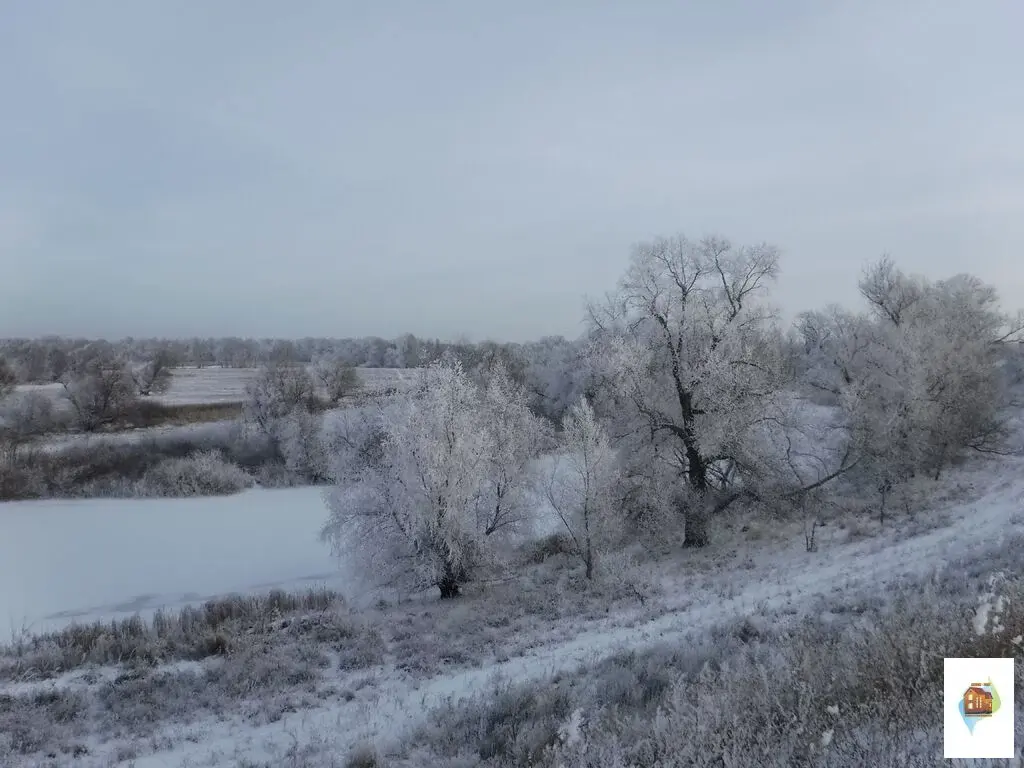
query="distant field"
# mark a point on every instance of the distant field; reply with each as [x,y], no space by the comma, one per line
[193,386]
[208,386]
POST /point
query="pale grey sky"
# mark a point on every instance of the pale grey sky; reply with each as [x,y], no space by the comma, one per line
[335,168]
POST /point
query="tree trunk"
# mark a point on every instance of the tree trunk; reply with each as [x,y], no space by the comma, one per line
[450,581]
[449,587]
[697,513]
[696,526]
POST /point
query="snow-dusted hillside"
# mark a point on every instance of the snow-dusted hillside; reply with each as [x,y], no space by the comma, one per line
[974,510]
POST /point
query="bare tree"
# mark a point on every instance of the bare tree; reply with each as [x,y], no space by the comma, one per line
[516,437]
[154,376]
[889,292]
[580,486]
[835,345]
[277,391]
[421,513]
[923,385]
[100,391]
[682,342]
[22,419]
[282,406]
[8,378]
[338,378]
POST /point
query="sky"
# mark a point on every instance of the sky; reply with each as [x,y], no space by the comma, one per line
[474,169]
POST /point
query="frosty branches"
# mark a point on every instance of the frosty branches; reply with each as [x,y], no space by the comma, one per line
[686,344]
[580,488]
[447,480]
[154,376]
[99,391]
[918,381]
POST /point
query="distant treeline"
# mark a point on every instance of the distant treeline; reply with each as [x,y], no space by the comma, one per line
[554,369]
[46,359]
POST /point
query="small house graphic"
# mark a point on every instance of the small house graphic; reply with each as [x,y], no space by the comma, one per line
[977,701]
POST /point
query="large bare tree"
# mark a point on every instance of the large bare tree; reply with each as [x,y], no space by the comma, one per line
[693,356]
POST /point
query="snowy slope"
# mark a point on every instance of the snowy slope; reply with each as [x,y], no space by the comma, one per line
[787,579]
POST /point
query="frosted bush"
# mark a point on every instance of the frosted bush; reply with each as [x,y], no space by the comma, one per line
[202,474]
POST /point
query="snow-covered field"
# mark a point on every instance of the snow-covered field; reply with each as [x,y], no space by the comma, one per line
[200,386]
[194,386]
[171,552]
[191,386]
[79,560]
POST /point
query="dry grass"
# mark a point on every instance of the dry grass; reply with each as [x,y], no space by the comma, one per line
[215,628]
[254,658]
[119,468]
[152,413]
[680,706]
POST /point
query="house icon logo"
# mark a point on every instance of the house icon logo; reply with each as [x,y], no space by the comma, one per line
[980,700]
[977,708]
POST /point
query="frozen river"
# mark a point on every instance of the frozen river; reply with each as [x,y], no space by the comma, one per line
[77,560]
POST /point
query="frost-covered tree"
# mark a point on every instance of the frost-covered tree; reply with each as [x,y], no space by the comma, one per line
[8,378]
[835,343]
[515,437]
[99,390]
[23,418]
[889,292]
[426,510]
[277,391]
[557,373]
[683,343]
[154,376]
[338,378]
[282,406]
[920,381]
[580,488]
[303,445]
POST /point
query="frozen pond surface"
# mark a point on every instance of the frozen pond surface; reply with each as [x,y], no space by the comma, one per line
[78,560]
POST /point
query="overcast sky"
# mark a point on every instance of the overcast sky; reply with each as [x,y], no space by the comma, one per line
[329,168]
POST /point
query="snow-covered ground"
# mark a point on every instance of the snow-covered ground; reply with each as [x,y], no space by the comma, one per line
[198,386]
[191,386]
[790,579]
[150,551]
[226,385]
[78,560]
[67,560]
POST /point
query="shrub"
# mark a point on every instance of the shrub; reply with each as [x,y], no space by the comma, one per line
[194,632]
[202,474]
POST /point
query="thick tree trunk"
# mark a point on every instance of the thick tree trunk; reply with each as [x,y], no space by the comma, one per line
[697,512]
[449,587]
[696,526]
[696,470]
[451,581]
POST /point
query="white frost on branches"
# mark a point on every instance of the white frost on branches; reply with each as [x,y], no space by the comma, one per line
[580,488]
[445,481]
